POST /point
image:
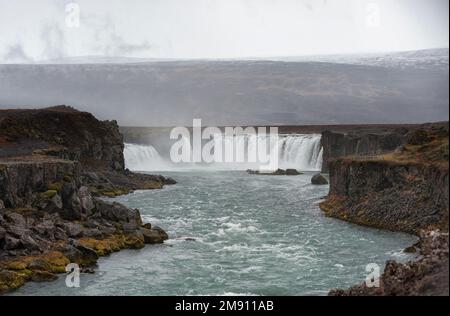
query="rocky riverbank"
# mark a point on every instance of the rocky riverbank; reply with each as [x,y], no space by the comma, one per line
[55,164]
[404,190]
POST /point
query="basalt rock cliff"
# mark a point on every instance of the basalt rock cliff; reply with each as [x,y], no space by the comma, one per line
[403,190]
[54,164]
[339,144]
[63,132]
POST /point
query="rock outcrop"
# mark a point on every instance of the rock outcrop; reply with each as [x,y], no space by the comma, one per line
[278,172]
[54,163]
[427,276]
[319,179]
[390,195]
[65,133]
[49,219]
[336,144]
[406,190]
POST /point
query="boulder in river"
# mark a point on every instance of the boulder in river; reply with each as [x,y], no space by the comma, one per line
[292,172]
[278,172]
[319,179]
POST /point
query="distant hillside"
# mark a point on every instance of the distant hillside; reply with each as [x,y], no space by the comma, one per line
[241,92]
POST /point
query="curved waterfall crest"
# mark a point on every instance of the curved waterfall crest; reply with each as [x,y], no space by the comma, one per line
[297,151]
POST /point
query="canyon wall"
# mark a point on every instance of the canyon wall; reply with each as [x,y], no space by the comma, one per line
[404,197]
[338,144]
[62,132]
[406,190]
[53,164]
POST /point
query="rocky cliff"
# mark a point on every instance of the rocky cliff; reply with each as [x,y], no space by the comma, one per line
[63,132]
[339,144]
[48,219]
[53,164]
[405,190]
[386,194]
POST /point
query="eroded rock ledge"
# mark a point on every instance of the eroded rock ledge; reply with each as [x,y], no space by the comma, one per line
[48,219]
[55,163]
[406,190]
[426,276]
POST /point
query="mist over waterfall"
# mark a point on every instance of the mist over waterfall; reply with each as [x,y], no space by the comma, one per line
[143,158]
[302,152]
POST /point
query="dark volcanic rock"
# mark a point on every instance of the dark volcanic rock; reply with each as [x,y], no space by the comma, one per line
[71,135]
[118,213]
[407,190]
[21,179]
[336,145]
[278,172]
[292,172]
[427,276]
[382,194]
[319,179]
[154,236]
[80,254]
[11,243]
[43,276]
[48,194]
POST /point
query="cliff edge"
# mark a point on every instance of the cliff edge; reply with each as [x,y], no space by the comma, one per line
[54,163]
[403,190]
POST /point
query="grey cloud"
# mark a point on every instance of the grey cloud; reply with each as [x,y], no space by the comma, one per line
[16,53]
[109,41]
[53,39]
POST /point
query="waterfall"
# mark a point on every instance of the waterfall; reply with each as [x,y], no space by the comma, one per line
[303,152]
[142,158]
[297,151]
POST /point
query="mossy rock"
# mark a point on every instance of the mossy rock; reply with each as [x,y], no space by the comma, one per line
[68,178]
[56,260]
[48,194]
[113,192]
[105,246]
[134,242]
[43,276]
[153,186]
[53,261]
[11,280]
[55,186]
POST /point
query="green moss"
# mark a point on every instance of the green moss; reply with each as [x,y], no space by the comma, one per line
[55,186]
[68,178]
[112,192]
[10,280]
[49,194]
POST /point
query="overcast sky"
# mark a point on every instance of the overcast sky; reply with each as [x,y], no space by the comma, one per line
[39,30]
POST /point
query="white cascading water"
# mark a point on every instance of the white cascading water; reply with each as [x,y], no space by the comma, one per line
[302,152]
[143,158]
